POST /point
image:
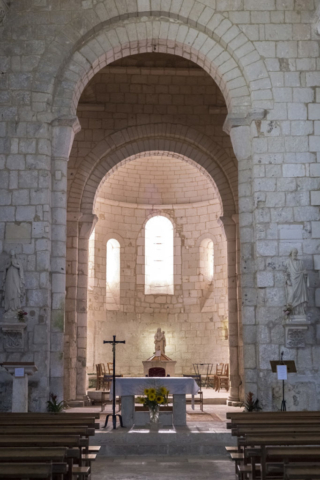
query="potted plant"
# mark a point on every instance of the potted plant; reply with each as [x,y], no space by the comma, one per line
[53,406]
[251,405]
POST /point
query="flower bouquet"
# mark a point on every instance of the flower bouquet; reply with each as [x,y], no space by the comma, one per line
[153,398]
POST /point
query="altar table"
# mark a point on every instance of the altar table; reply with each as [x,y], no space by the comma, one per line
[127,388]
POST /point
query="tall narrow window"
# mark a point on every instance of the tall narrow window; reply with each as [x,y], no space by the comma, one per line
[159,256]
[91,269]
[113,275]
[207,259]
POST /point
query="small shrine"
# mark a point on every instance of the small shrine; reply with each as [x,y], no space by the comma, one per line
[159,364]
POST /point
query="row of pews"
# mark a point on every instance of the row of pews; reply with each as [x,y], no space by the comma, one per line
[284,445]
[47,445]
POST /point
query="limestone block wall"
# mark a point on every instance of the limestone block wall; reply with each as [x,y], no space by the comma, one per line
[264,57]
[195,317]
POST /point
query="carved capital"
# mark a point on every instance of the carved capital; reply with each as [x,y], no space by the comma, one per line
[87,224]
[243,118]
[64,130]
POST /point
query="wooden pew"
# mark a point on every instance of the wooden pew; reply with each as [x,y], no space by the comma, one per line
[298,472]
[262,441]
[43,441]
[273,429]
[83,431]
[88,421]
[237,415]
[273,421]
[26,470]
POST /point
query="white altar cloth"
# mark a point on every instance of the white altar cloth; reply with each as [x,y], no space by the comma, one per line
[136,385]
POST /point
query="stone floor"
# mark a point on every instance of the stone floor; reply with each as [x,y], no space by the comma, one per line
[163,468]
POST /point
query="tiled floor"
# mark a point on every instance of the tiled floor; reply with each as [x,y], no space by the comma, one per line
[163,468]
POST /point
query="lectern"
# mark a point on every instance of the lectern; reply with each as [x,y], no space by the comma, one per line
[282,368]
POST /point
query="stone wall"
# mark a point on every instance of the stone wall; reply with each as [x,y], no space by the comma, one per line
[264,58]
[195,317]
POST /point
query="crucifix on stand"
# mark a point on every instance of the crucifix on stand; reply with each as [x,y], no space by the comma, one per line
[114,415]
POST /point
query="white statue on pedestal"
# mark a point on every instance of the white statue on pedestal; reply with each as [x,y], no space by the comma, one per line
[160,341]
[13,284]
[296,284]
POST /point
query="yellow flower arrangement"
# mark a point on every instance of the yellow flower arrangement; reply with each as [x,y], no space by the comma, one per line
[154,397]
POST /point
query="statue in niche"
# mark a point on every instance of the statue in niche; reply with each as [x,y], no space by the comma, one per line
[160,341]
[13,284]
[297,283]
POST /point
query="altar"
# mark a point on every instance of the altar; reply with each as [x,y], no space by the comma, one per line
[127,388]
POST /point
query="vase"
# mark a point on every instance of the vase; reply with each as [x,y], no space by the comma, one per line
[154,415]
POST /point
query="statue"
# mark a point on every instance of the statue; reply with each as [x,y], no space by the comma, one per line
[13,284]
[160,341]
[296,284]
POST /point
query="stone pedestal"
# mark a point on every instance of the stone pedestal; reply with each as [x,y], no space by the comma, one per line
[296,327]
[13,332]
[20,372]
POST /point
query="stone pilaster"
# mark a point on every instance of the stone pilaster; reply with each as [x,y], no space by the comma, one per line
[63,131]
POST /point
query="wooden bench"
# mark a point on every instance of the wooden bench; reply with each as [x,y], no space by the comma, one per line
[88,422]
[262,441]
[26,470]
[81,472]
[298,472]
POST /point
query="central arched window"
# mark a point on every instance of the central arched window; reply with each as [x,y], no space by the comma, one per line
[159,256]
[113,275]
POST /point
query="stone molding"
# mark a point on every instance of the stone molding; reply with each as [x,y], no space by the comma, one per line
[243,118]
[146,206]
[14,336]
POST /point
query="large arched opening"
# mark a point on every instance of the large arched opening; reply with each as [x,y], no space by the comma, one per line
[215,155]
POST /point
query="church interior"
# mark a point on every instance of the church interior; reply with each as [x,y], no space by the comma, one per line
[159,239]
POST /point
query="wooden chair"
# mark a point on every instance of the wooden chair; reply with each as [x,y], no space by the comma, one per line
[99,376]
[224,379]
[110,367]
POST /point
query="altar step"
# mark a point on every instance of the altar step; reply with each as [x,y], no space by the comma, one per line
[168,441]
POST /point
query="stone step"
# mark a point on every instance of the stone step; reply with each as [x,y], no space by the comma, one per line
[166,441]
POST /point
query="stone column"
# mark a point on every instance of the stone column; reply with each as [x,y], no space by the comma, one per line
[63,131]
[86,227]
[233,307]
[238,126]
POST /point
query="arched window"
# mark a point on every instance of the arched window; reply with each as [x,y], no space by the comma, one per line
[113,275]
[207,259]
[91,265]
[159,256]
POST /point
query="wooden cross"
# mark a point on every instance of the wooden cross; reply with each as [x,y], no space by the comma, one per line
[114,342]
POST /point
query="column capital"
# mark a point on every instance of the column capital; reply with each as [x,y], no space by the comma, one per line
[64,129]
[243,118]
[86,225]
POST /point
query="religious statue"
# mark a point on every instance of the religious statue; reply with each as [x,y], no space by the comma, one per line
[297,283]
[13,284]
[160,341]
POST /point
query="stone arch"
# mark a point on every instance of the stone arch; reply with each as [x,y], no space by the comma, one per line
[187,143]
[210,40]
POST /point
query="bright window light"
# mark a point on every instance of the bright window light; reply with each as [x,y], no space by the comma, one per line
[207,259]
[159,256]
[113,275]
[91,269]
